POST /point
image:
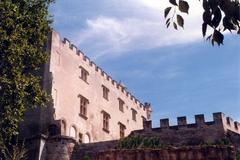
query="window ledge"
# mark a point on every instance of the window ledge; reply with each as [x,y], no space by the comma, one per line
[105,130]
[105,99]
[83,116]
[83,80]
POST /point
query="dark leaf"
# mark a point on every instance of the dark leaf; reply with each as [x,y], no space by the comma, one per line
[228,7]
[227,23]
[217,17]
[175,25]
[183,6]
[209,37]
[218,37]
[235,21]
[213,4]
[204,29]
[173,2]
[168,24]
[180,20]
[167,21]
[238,31]
[205,5]
[166,11]
[207,18]
[212,42]
[237,12]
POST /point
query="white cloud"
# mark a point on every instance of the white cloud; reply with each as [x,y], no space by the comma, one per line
[145,30]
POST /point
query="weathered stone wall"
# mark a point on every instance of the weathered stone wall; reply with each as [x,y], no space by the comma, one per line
[91,149]
[184,153]
[65,148]
[65,65]
[189,134]
[58,148]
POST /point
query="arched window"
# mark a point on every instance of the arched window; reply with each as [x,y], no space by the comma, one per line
[73,132]
[80,136]
[63,127]
[87,138]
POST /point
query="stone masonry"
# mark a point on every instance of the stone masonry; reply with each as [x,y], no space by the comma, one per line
[90,112]
[87,104]
[199,141]
[183,153]
[200,132]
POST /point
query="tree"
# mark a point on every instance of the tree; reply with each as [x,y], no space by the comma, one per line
[218,15]
[24,26]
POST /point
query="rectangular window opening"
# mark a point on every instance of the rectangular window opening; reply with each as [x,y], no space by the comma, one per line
[122,129]
[105,92]
[121,104]
[134,114]
[83,106]
[106,118]
[84,74]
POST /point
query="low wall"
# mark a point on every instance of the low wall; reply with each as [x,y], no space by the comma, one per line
[58,148]
[196,133]
[91,149]
[184,153]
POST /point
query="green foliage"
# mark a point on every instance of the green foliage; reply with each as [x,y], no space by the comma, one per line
[138,142]
[86,157]
[16,152]
[238,156]
[24,26]
[218,15]
[224,141]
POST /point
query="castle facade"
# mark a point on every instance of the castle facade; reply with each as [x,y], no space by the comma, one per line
[88,105]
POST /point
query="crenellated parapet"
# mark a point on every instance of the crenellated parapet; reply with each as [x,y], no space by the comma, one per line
[74,50]
[219,121]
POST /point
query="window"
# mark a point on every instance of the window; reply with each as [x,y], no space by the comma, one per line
[63,127]
[73,132]
[121,104]
[80,135]
[83,106]
[87,138]
[84,74]
[105,92]
[143,119]
[122,128]
[134,114]
[106,118]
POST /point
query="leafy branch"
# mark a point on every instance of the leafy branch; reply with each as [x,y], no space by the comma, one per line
[218,16]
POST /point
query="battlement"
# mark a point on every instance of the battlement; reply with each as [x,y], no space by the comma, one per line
[219,120]
[66,44]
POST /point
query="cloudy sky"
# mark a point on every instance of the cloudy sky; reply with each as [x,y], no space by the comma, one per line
[177,71]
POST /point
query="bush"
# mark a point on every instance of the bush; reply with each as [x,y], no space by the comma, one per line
[138,142]
[238,155]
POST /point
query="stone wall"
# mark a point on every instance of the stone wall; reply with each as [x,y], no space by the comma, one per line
[187,153]
[66,66]
[66,148]
[58,148]
[190,134]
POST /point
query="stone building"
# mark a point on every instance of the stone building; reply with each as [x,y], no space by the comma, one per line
[90,112]
[87,104]
[200,132]
[217,139]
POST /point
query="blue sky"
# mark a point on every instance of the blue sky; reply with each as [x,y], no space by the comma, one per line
[176,71]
